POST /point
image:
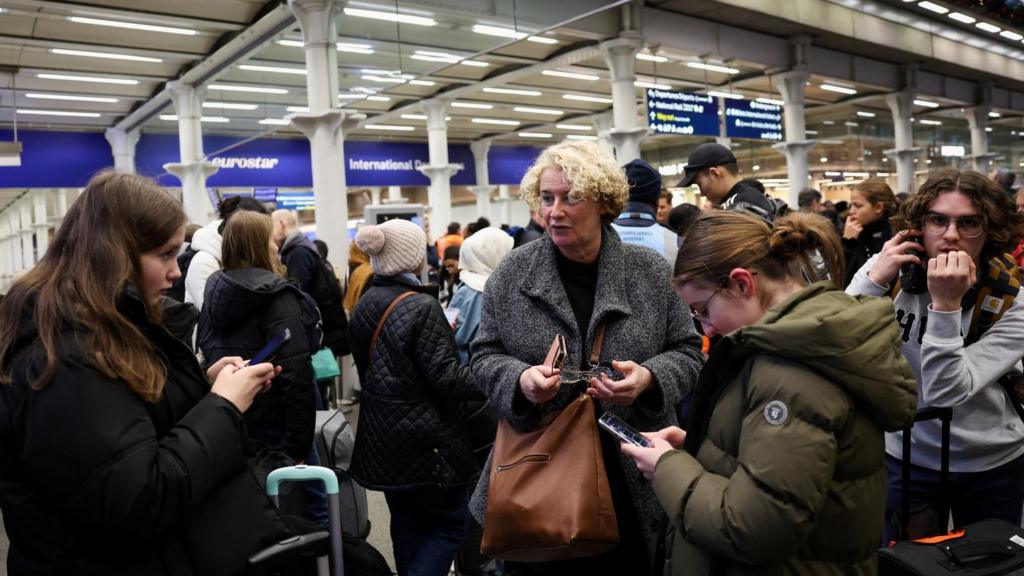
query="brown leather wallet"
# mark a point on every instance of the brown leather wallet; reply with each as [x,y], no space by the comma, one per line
[557,352]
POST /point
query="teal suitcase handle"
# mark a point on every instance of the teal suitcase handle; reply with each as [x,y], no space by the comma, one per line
[301,473]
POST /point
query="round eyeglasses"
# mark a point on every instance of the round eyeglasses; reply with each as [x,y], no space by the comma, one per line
[967,226]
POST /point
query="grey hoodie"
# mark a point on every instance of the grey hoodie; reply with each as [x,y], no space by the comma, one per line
[986,431]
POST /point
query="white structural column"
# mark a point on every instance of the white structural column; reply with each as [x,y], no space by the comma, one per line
[901,104]
[620,55]
[40,221]
[28,253]
[483,188]
[977,118]
[505,201]
[440,172]
[791,86]
[193,169]
[375,196]
[723,124]
[12,254]
[322,125]
[6,261]
[122,146]
[395,196]
[60,207]
[604,123]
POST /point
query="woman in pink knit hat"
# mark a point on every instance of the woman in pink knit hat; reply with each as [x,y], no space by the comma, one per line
[412,442]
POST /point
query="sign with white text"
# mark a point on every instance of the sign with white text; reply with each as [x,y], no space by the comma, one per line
[682,113]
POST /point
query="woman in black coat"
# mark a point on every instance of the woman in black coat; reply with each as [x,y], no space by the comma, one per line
[112,441]
[872,203]
[412,442]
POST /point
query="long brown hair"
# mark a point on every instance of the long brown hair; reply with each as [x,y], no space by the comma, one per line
[1003,224]
[247,243]
[875,190]
[722,240]
[84,272]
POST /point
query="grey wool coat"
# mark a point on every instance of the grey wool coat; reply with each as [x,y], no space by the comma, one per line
[525,306]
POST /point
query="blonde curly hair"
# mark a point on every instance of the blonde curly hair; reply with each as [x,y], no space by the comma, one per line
[591,175]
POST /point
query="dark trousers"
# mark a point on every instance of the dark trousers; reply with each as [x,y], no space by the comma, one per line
[427,527]
[970,496]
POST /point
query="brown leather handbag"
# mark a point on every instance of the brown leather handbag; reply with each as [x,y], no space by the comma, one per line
[549,497]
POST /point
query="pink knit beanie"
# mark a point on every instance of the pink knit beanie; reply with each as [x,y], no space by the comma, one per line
[394,247]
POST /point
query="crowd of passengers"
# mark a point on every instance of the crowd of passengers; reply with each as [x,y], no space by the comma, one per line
[773,359]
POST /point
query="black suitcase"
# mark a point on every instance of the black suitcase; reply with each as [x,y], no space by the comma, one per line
[335,442]
[986,548]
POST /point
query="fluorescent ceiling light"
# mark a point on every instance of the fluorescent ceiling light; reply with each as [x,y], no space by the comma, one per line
[501,32]
[472,105]
[70,97]
[383,79]
[839,89]
[962,18]
[1011,35]
[573,75]
[340,46]
[422,82]
[477,63]
[926,103]
[650,57]
[583,127]
[379,98]
[348,96]
[414,116]
[548,111]
[932,7]
[582,98]
[274,121]
[251,89]
[770,101]
[864,114]
[391,127]
[718,94]
[390,17]
[994,114]
[429,58]
[542,40]
[828,122]
[105,55]
[513,91]
[988,128]
[580,137]
[215,119]
[535,135]
[133,26]
[291,43]
[644,84]
[989,27]
[851,124]
[94,79]
[930,122]
[278,69]
[230,106]
[496,121]
[712,68]
[59,113]
[297,109]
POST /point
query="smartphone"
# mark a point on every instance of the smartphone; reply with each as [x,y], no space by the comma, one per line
[914,277]
[452,314]
[618,427]
[269,351]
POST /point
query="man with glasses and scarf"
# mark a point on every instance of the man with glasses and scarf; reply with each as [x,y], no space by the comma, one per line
[953,287]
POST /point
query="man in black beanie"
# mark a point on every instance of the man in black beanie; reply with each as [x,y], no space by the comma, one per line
[638,224]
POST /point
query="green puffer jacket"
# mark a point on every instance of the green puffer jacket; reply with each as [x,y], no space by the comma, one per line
[787,429]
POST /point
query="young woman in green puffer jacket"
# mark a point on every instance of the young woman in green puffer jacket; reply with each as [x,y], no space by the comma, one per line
[782,467]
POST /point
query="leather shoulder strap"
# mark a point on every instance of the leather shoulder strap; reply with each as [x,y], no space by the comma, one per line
[595,354]
[387,312]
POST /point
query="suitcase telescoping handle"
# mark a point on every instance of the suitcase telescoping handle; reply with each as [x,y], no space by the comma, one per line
[303,473]
[945,415]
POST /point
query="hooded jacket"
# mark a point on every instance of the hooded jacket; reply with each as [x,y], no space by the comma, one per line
[872,238]
[783,470]
[316,278]
[206,242]
[245,309]
[479,256]
[95,480]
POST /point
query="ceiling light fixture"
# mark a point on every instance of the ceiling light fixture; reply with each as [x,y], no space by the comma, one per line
[581,137]
[650,57]
[535,135]
[989,27]
[390,127]
[350,96]
[994,114]
[104,55]
[70,97]
[230,106]
[94,79]
[1011,35]
[133,26]
[656,86]
[573,75]
[930,122]
[496,121]
[932,7]
[472,105]
[712,68]
[297,109]
[582,127]
[379,98]
[582,98]
[391,17]
[275,121]
[414,116]
[926,103]
[476,63]
[864,114]
[514,92]
[59,113]
[214,119]
[383,79]
[277,69]
[718,94]
[251,89]
[838,89]
[962,18]
[548,111]
[422,82]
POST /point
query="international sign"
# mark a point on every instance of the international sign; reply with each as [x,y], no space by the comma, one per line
[753,119]
[682,113]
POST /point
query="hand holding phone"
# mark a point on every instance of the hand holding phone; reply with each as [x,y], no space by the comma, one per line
[902,249]
[624,432]
[269,352]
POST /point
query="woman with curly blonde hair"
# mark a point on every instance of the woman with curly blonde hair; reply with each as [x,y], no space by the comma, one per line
[576,278]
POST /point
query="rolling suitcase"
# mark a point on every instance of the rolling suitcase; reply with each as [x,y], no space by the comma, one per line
[335,441]
[986,548]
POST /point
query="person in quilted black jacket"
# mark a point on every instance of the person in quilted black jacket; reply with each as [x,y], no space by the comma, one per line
[412,443]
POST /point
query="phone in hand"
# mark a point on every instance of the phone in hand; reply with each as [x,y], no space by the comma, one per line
[914,277]
[269,352]
[618,427]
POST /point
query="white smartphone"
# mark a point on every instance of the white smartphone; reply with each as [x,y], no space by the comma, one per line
[452,314]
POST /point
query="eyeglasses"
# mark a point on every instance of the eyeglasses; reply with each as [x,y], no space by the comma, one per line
[573,376]
[702,314]
[967,226]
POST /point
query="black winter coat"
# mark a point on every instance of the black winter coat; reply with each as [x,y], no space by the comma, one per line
[412,422]
[869,243]
[316,278]
[94,480]
[243,310]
